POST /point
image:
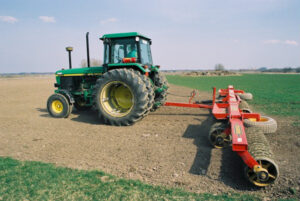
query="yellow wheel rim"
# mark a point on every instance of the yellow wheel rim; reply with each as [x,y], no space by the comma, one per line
[219,139]
[262,119]
[57,106]
[264,166]
[116,99]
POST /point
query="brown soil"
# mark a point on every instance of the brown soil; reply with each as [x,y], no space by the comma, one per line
[169,147]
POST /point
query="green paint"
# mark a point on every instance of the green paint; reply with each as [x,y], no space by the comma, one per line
[123,35]
[91,70]
[80,82]
[128,65]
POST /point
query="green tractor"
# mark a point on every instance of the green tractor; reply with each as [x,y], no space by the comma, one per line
[123,90]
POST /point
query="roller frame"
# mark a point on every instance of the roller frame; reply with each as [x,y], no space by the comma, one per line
[228,109]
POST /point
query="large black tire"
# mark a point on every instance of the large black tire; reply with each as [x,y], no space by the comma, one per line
[121,97]
[160,81]
[266,124]
[150,90]
[58,106]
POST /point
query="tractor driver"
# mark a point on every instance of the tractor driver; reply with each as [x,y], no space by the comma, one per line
[133,52]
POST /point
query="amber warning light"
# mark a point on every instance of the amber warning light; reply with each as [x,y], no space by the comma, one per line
[129,60]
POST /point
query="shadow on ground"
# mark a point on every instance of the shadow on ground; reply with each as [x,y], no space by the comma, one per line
[199,134]
[44,112]
[88,116]
[232,166]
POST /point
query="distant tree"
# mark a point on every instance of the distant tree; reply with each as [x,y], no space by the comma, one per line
[262,69]
[287,69]
[93,62]
[219,67]
[298,70]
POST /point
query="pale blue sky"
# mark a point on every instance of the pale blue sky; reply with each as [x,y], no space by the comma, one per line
[193,34]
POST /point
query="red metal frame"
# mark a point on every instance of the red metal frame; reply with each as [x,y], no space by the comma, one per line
[192,105]
[228,108]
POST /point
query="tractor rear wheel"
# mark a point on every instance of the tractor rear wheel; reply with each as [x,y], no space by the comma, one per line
[161,82]
[121,97]
[58,106]
[150,90]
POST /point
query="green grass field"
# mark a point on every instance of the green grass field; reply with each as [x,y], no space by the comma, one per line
[42,181]
[274,94]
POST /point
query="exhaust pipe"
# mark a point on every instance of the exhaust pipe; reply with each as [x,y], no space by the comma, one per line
[69,50]
[87,49]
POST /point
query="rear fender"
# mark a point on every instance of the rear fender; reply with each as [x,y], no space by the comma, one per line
[134,66]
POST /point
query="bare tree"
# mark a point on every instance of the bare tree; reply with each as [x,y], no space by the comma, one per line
[93,63]
[219,67]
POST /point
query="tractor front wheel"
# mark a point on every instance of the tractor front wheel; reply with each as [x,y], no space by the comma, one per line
[58,106]
[121,97]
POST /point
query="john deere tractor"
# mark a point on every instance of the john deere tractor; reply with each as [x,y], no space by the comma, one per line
[123,90]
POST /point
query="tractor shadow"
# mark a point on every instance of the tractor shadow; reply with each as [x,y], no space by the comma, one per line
[232,166]
[89,116]
[44,112]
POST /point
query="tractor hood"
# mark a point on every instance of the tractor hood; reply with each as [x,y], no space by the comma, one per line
[80,71]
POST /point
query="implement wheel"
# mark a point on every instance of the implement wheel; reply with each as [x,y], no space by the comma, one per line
[245,96]
[265,124]
[121,97]
[265,174]
[217,136]
[244,107]
[58,106]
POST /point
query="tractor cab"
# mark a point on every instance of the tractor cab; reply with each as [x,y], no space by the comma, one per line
[127,48]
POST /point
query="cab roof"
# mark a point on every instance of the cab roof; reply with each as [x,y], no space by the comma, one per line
[123,35]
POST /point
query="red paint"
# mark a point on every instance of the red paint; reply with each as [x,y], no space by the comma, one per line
[129,60]
[229,109]
[191,105]
[247,158]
